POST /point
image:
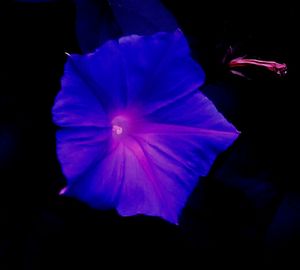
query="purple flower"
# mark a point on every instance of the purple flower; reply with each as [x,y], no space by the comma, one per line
[136,132]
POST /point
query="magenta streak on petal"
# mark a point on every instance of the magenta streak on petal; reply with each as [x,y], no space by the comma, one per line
[172,100]
[163,150]
[170,129]
[136,148]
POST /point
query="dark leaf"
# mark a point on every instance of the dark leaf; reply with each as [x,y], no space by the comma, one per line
[101,20]
[142,17]
[95,23]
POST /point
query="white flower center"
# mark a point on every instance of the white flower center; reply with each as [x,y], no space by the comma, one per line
[120,126]
[118,130]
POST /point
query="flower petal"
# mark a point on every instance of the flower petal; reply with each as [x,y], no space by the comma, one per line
[170,166]
[104,74]
[76,104]
[159,69]
[193,111]
[100,185]
[79,148]
[178,146]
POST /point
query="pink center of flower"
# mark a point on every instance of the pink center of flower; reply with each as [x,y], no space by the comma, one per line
[120,125]
[117,129]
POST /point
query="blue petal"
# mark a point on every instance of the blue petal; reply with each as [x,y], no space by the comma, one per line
[159,69]
[79,148]
[76,104]
[100,185]
[104,74]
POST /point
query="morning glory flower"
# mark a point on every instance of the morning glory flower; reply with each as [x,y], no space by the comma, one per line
[135,132]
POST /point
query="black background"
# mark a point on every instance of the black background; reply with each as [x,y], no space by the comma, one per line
[244,214]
